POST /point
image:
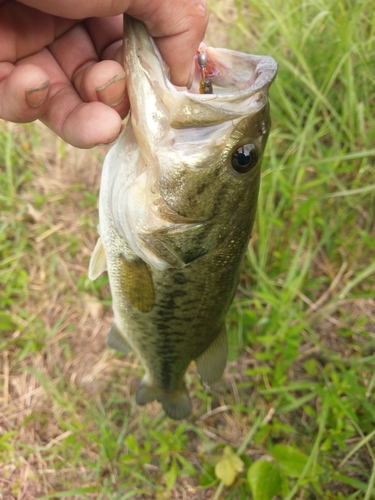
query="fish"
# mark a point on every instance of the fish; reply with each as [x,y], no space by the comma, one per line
[177,202]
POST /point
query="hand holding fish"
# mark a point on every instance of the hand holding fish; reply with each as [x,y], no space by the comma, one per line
[60,60]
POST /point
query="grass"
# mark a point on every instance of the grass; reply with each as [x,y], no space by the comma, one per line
[299,390]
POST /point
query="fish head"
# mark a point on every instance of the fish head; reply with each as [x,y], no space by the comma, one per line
[191,161]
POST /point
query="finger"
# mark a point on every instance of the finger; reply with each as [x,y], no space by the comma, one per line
[178,29]
[25,31]
[104,82]
[88,124]
[177,25]
[105,32]
[24,92]
[74,9]
[81,124]
[95,81]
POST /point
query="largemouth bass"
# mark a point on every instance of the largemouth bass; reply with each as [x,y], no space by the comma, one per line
[177,203]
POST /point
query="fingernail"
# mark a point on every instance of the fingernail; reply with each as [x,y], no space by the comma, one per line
[112,92]
[191,75]
[36,97]
[112,142]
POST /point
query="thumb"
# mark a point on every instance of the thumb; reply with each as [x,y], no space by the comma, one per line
[178,27]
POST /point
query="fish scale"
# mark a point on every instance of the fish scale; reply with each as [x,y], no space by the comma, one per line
[177,204]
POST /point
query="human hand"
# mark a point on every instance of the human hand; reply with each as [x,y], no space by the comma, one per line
[60,60]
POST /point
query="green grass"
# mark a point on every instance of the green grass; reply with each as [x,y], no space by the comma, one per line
[299,390]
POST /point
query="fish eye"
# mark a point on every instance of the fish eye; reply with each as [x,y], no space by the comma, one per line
[244,158]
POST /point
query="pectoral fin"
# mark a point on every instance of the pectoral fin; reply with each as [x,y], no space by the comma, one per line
[211,363]
[181,244]
[117,341]
[136,284]
[98,261]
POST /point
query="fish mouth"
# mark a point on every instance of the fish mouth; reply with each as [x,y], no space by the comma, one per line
[240,82]
[231,72]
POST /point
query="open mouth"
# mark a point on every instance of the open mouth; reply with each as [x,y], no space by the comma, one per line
[222,71]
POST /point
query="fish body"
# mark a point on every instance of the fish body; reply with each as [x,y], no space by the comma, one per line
[177,204]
